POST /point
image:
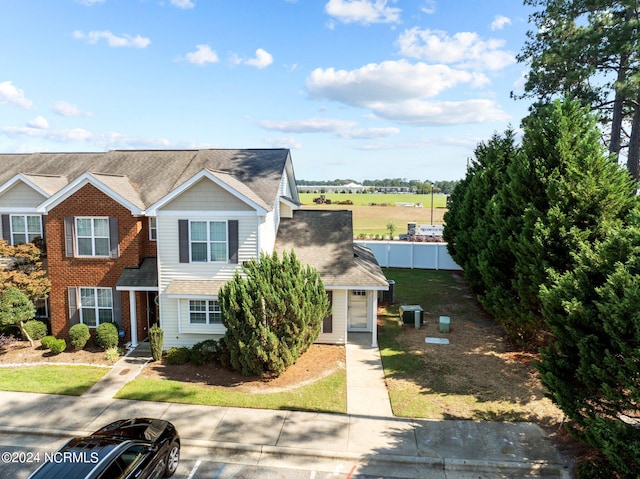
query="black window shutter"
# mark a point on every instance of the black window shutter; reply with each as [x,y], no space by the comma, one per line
[233,241]
[327,323]
[114,241]
[183,241]
[69,228]
[6,228]
[74,314]
[117,307]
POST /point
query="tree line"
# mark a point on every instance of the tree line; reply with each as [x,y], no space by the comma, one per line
[421,187]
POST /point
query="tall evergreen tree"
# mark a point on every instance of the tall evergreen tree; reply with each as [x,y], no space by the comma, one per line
[592,367]
[273,312]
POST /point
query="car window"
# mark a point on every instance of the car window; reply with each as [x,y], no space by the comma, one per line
[125,462]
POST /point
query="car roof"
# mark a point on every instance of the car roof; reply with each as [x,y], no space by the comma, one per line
[78,457]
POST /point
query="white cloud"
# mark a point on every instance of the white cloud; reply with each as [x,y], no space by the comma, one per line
[125,40]
[364,12]
[419,112]
[402,92]
[368,133]
[262,59]
[499,22]
[428,7]
[309,125]
[110,140]
[39,122]
[89,2]
[64,108]
[202,55]
[182,3]
[13,96]
[284,142]
[388,81]
[464,49]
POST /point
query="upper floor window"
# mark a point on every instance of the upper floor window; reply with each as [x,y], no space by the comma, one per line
[25,228]
[208,241]
[92,236]
[204,312]
[96,306]
[153,229]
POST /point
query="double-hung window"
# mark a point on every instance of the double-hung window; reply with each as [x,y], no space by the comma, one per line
[203,311]
[25,228]
[92,236]
[96,306]
[208,241]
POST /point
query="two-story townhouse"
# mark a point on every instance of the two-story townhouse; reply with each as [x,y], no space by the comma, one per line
[139,237]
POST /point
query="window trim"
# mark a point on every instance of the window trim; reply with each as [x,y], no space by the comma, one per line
[96,307]
[209,312]
[93,237]
[209,242]
[26,227]
[153,228]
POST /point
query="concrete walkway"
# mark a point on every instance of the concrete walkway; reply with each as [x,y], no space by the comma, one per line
[366,388]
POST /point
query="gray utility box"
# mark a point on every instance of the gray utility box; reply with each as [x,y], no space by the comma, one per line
[408,313]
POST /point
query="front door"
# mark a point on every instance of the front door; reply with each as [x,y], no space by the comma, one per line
[358,313]
[152,308]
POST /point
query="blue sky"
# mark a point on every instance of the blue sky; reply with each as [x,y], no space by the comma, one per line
[361,89]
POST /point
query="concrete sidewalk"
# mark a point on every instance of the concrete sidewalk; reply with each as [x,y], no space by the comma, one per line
[404,447]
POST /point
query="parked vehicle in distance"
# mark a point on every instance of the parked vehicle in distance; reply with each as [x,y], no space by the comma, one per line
[140,448]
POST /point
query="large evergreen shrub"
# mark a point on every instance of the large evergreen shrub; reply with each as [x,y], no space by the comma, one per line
[273,312]
[156,339]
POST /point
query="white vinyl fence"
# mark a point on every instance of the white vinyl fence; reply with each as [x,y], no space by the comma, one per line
[404,254]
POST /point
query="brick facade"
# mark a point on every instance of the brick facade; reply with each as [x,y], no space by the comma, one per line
[66,271]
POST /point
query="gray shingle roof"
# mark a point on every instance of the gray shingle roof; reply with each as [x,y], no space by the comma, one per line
[154,173]
[324,240]
[144,276]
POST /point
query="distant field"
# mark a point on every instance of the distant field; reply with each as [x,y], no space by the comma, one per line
[373,220]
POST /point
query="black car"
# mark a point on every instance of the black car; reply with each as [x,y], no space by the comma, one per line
[130,448]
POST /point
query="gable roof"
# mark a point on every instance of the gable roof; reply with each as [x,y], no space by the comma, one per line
[324,240]
[152,174]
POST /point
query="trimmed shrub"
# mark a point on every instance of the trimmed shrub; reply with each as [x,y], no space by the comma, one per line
[156,336]
[35,329]
[204,352]
[107,336]
[79,335]
[178,355]
[57,346]
[112,354]
[46,341]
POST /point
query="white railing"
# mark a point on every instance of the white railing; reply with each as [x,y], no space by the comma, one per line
[406,254]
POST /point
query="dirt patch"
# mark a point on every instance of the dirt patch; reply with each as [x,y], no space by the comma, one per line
[21,352]
[318,362]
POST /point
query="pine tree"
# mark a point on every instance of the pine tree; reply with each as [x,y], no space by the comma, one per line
[273,312]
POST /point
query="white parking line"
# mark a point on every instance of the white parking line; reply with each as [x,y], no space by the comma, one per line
[195,468]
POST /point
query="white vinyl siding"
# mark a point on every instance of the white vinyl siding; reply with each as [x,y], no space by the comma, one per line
[20,195]
[205,195]
[338,332]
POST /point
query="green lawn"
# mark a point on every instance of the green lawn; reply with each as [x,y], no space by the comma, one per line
[365,199]
[478,376]
[47,379]
[326,395]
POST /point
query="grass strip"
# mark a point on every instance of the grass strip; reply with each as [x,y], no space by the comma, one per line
[47,379]
[326,395]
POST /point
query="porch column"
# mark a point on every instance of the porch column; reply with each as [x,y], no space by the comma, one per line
[374,325]
[133,318]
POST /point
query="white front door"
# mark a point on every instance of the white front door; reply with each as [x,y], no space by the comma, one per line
[358,311]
